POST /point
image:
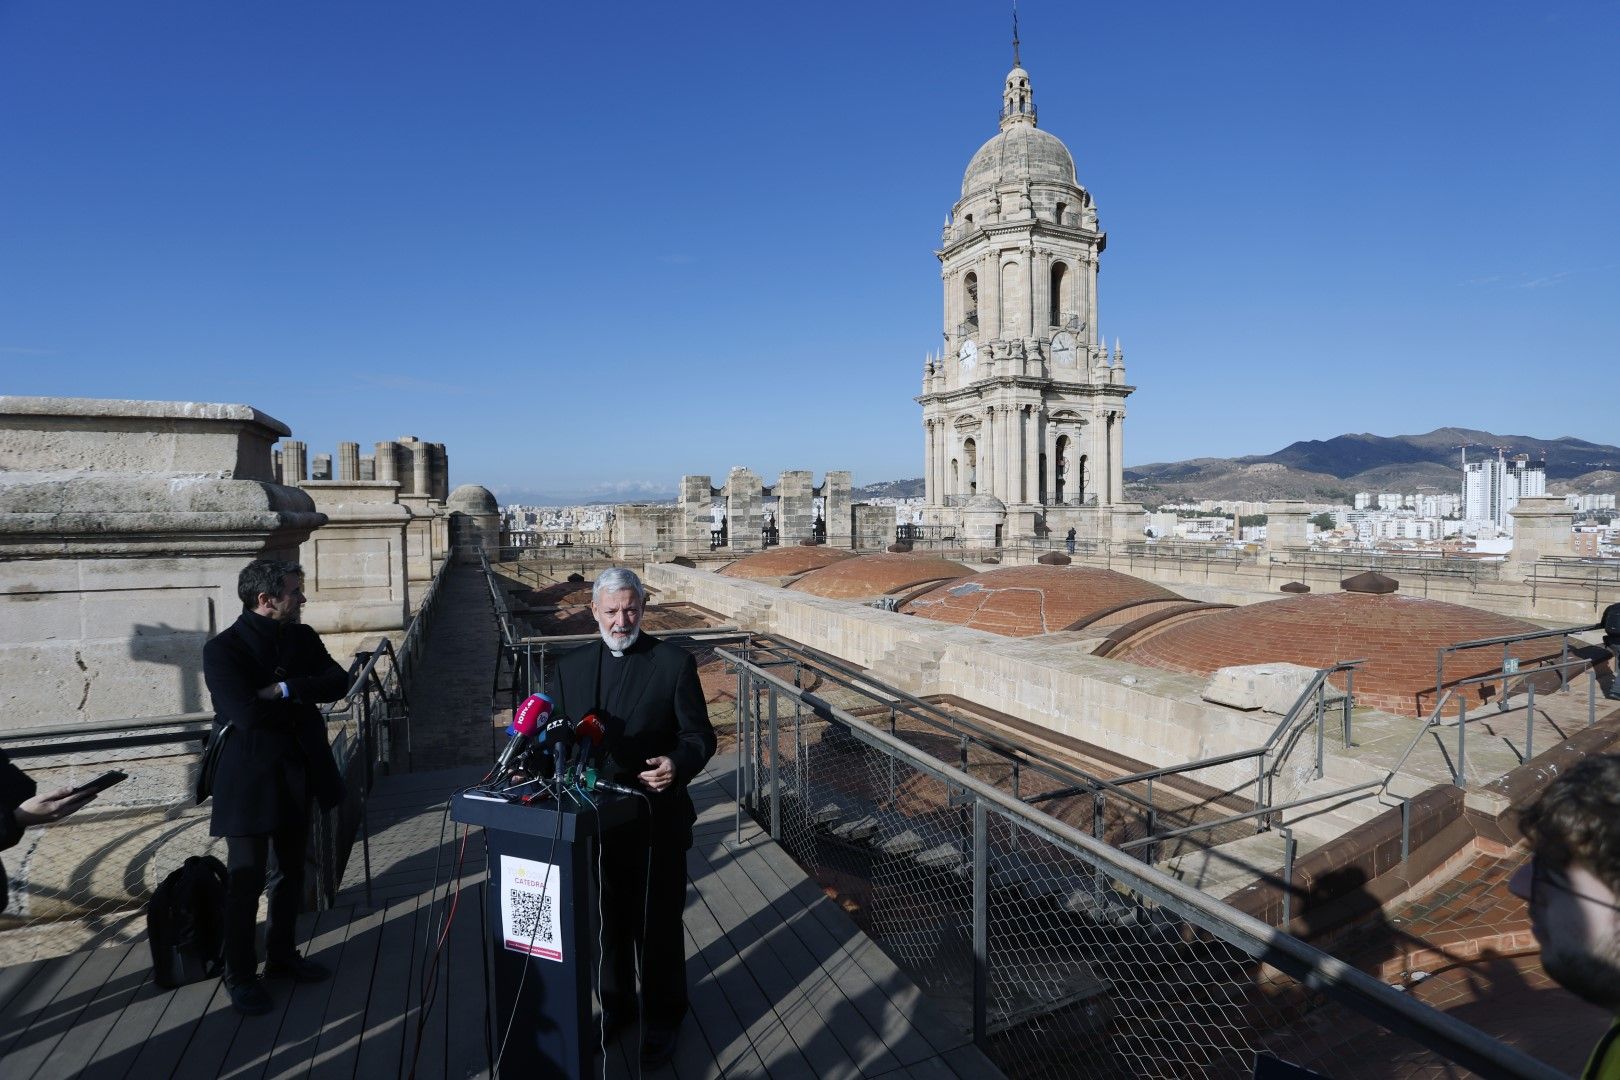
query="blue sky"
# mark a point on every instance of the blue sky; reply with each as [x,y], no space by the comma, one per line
[592,247]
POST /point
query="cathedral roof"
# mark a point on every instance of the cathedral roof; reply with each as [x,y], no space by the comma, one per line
[884,574]
[1397,636]
[1022,601]
[785,561]
[1021,152]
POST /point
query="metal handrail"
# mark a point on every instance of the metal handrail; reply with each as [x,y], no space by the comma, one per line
[1314,968]
[1504,641]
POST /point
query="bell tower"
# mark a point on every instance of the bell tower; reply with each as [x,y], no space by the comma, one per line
[1024,401]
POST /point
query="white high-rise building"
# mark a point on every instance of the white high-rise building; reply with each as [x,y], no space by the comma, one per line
[1492,488]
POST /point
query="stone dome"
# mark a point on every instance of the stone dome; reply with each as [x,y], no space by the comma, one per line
[785,561]
[1397,635]
[867,576]
[472,499]
[1021,152]
[1022,601]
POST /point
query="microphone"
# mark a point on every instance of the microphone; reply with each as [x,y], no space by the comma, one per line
[589,734]
[576,761]
[526,720]
[557,737]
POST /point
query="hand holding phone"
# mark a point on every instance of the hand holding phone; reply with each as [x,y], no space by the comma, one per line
[102,782]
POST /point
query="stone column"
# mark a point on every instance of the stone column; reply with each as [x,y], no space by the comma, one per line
[1028,441]
[1542,526]
[388,462]
[1009,457]
[990,298]
[293,468]
[796,515]
[321,467]
[744,513]
[1116,457]
[438,471]
[348,457]
[421,470]
[368,467]
[1049,444]
[838,488]
[696,513]
[1285,526]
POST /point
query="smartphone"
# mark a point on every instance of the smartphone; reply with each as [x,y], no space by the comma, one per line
[102,782]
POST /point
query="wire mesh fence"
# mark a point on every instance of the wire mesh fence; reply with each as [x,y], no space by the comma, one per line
[1062,955]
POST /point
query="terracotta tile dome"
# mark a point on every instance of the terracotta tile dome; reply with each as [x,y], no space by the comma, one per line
[877,575]
[1022,601]
[1398,636]
[785,561]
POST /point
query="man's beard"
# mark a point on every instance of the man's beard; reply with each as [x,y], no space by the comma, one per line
[620,642]
[1593,976]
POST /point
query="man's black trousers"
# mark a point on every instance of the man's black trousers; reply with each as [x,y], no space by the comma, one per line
[246,859]
[663,951]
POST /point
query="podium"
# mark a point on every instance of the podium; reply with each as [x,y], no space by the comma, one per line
[542,934]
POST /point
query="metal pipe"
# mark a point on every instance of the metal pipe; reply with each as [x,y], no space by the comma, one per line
[776,769]
[1461,778]
[1288,877]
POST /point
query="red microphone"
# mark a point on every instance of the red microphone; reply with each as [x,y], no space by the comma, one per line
[526,720]
[590,727]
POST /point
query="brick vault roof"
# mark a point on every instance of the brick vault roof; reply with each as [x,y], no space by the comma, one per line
[1398,635]
[877,575]
[785,561]
[1022,601]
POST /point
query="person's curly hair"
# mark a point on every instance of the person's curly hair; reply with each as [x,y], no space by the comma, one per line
[1576,818]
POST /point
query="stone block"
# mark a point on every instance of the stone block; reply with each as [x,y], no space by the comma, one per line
[1271,687]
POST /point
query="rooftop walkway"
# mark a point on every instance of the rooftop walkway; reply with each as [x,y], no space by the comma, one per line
[783,983]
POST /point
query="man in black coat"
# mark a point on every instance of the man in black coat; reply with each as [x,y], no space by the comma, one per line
[647,695]
[266,673]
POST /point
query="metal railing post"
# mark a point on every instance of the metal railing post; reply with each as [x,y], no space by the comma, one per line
[365,790]
[1529,719]
[1349,699]
[1406,829]
[1321,717]
[1288,878]
[1591,696]
[1461,778]
[776,768]
[981,921]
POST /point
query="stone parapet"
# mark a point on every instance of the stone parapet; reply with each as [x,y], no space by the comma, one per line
[123,526]
[354,567]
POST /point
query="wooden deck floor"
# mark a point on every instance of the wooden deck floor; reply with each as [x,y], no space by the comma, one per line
[784,985]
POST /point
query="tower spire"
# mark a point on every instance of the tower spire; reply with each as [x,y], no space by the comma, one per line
[1016,61]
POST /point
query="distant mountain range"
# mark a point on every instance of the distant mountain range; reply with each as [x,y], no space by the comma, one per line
[1333,470]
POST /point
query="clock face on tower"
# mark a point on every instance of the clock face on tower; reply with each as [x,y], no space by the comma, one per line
[1063,349]
[967,356]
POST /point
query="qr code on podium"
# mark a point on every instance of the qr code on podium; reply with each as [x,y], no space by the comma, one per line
[530,905]
[531,915]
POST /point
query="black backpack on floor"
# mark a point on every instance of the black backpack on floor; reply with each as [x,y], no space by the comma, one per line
[185,923]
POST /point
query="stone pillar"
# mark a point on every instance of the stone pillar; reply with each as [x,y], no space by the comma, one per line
[838,491]
[321,469]
[797,511]
[1128,521]
[1049,444]
[1029,426]
[387,462]
[1285,527]
[348,456]
[1542,526]
[438,471]
[421,469]
[1116,456]
[368,467]
[293,453]
[355,567]
[697,518]
[744,513]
